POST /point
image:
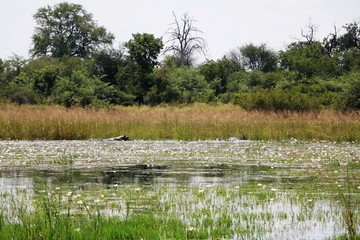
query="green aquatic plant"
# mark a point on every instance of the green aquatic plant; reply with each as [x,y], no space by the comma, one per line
[349,202]
[64,159]
[54,217]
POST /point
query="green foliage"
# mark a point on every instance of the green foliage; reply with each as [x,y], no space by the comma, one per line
[252,57]
[81,90]
[106,63]
[309,59]
[20,94]
[186,85]
[67,29]
[276,100]
[143,50]
[352,92]
[350,59]
[11,68]
[217,73]
[351,39]
[143,53]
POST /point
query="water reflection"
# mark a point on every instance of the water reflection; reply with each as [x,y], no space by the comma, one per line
[10,181]
[143,174]
[122,175]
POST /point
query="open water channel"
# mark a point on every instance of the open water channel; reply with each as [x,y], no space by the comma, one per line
[253,189]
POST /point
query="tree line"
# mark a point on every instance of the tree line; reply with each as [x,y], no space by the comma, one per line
[73,62]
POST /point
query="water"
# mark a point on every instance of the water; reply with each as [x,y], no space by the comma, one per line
[267,190]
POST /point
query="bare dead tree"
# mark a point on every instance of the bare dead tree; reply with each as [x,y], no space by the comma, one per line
[184,40]
[309,32]
[331,41]
[235,55]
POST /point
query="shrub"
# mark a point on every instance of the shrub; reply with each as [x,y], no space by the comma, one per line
[276,100]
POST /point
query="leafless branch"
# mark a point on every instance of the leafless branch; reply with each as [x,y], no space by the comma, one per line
[184,40]
[309,32]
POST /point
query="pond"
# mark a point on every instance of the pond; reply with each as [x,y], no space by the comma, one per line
[245,189]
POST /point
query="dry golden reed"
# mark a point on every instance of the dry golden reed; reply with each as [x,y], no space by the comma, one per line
[199,121]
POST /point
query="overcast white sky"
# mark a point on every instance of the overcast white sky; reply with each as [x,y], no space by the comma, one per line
[226,23]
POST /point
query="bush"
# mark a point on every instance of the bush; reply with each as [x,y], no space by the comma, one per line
[83,90]
[276,100]
[352,92]
[20,94]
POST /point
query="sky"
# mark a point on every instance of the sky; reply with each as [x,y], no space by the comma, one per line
[226,24]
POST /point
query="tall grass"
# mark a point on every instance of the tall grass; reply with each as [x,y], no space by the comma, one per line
[350,205]
[194,122]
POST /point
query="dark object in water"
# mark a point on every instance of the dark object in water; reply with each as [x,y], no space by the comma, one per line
[145,173]
[121,138]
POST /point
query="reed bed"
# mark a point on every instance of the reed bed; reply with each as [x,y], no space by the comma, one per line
[195,122]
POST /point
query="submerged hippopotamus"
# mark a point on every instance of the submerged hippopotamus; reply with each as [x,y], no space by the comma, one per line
[121,138]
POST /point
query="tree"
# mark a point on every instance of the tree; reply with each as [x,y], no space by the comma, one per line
[81,89]
[186,85]
[217,73]
[352,91]
[107,63]
[251,57]
[67,29]
[331,42]
[309,59]
[309,32]
[346,47]
[11,68]
[184,40]
[351,39]
[144,50]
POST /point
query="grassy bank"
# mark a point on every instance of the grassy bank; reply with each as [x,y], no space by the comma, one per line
[182,123]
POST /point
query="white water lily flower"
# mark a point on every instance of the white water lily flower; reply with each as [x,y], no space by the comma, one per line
[80,202]
[273,189]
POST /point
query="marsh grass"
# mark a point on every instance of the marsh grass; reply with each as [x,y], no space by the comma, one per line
[53,218]
[194,122]
[346,197]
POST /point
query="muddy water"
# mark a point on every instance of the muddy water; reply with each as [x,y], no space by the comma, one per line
[278,189]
